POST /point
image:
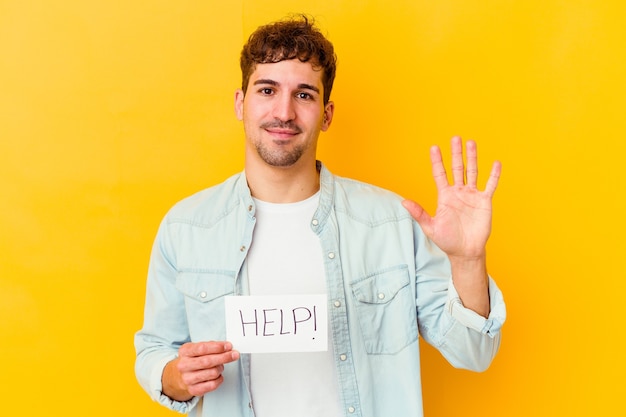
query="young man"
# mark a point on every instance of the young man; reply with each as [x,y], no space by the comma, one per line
[287,226]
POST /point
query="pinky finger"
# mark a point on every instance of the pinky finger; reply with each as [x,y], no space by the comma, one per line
[202,388]
[494,177]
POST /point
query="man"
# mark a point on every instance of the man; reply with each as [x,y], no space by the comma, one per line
[287,226]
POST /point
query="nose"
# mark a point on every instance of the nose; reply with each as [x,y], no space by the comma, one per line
[284,108]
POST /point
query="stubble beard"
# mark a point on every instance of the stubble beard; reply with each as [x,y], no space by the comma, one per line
[280,157]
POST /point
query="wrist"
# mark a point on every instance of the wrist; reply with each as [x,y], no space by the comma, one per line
[473,263]
[469,275]
[172,383]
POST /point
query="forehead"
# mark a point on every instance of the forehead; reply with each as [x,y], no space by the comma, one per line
[292,71]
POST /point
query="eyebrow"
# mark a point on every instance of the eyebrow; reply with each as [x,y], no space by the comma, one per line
[277,84]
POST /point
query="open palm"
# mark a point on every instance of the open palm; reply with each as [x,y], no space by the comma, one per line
[462,222]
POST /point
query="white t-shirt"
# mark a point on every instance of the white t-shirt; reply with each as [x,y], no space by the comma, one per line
[286,258]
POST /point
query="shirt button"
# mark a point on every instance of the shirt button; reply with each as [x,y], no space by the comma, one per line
[331,255]
[351,410]
[203,294]
[343,357]
[250,207]
[243,248]
[337,303]
[315,222]
[381,296]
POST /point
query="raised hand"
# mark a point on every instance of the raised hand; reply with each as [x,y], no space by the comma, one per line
[462,222]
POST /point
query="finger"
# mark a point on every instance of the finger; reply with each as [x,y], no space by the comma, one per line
[494,178]
[458,169]
[204,348]
[472,163]
[420,215]
[439,171]
[203,375]
[198,390]
[201,363]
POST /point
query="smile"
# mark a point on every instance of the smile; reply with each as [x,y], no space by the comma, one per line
[281,130]
[282,133]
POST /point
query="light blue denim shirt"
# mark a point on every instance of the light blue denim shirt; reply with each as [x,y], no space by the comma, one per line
[387,284]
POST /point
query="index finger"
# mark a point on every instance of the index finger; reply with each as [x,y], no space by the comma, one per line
[438,169]
[204,348]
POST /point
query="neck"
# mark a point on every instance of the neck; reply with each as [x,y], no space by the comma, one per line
[282,184]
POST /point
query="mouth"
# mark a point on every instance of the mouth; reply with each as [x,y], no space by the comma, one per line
[281,131]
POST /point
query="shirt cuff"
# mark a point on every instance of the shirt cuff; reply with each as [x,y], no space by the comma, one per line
[491,325]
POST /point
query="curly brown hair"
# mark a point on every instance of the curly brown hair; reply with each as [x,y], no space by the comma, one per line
[296,37]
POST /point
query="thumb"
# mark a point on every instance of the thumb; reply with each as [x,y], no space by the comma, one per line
[419,214]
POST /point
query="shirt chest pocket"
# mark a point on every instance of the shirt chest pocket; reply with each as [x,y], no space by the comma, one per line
[386,310]
[204,302]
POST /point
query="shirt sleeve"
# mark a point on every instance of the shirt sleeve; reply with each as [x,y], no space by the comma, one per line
[489,326]
[165,327]
[466,339]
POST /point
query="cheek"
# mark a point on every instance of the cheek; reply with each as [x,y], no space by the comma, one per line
[253,111]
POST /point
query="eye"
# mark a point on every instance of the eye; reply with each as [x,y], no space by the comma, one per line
[304,96]
[266,91]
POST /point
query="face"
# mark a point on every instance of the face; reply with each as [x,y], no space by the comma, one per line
[283,113]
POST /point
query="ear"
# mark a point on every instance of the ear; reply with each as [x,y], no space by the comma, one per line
[239,96]
[327,118]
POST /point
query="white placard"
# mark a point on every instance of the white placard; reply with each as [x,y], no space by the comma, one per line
[286,323]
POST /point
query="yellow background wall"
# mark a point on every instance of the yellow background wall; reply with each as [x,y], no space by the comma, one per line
[111,111]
